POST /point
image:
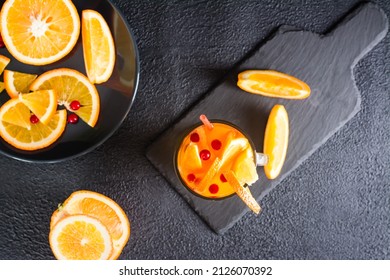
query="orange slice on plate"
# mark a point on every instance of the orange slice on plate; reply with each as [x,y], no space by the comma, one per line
[273,84]
[19,129]
[39,32]
[70,85]
[98,47]
[243,192]
[102,208]
[43,103]
[276,141]
[4,61]
[17,82]
[80,237]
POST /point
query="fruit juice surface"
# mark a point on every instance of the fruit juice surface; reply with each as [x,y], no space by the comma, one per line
[199,151]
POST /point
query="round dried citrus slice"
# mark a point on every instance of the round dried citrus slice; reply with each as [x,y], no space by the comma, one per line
[276,141]
[17,82]
[273,84]
[20,129]
[102,208]
[80,237]
[39,32]
[98,47]
[70,85]
[43,103]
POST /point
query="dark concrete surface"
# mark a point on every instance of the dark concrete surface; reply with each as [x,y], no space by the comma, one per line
[336,205]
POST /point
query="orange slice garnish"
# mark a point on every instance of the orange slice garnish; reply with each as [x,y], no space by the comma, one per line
[39,32]
[98,47]
[276,141]
[43,103]
[4,61]
[102,208]
[244,168]
[273,84]
[80,237]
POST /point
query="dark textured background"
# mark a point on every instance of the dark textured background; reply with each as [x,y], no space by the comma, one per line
[336,205]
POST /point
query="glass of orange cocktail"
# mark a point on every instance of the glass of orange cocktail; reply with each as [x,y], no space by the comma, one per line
[209,152]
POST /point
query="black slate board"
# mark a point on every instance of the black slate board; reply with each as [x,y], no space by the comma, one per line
[324,62]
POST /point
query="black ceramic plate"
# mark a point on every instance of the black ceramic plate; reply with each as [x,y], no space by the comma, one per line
[116,95]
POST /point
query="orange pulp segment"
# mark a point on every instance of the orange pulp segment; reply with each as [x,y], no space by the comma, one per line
[273,84]
[43,103]
[17,82]
[4,61]
[276,141]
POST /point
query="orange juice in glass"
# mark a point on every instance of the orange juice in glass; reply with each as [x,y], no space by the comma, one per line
[210,150]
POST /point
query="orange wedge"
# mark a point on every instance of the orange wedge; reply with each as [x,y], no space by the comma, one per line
[17,129]
[17,82]
[273,84]
[80,237]
[276,141]
[70,85]
[1,86]
[39,32]
[191,157]
[43,103]
[4,61]
[244,193]
[244,168]
[102,208]
[98,47]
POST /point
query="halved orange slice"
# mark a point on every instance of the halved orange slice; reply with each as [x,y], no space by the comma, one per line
[244,168]
[39,32]
[70,85]
[21,130]
[4,61]
[191,158]
[98,47]
[43,103]
[102,208]
[80,237]
[273,84]
[276,141]
[17,82]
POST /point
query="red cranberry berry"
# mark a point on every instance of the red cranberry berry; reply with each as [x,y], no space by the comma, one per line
[75,105]
[73,118]
[213,188]
[34,119]
[191,177]
[205,154]
[194,137]
[223,179]
[216,144]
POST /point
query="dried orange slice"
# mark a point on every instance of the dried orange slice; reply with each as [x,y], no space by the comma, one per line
[273,84]
[276,141]
[70,85]
[17,129]
[43,103]
[4,61]
[102,208]
[80,237]
[39,32]
[17,82]
[244,193]
[98,47]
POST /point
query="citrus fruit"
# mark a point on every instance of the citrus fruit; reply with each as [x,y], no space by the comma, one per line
[1,87]
[98,47]
[39,32]
[43,103]
[273,84]
[80,237]
[17,82]
[210,174]
[243,192]
[191,157]
[3,62]
[70,85]
[276,141]
[24,131]
[102,208]
[244,168]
